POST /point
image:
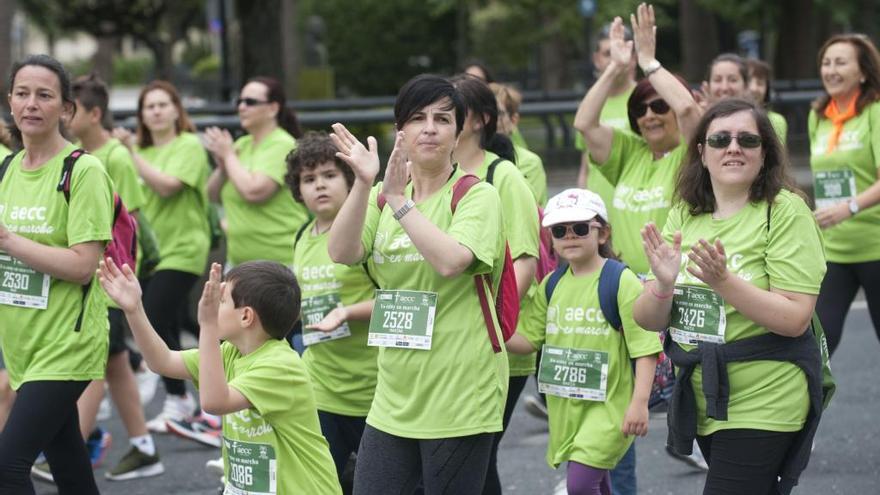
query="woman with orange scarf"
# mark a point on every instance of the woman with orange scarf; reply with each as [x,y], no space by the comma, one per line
[844,129]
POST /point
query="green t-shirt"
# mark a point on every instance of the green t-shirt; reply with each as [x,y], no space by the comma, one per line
[521,224]
[764,395]
[264,230]
[459,386]
[614,115]
[343,371]
[180,222]
[643,189]
[518,140]
[42,344]
[588,431]
[283,420]
[532,168]
[120,168]
[780,125]
[857,154]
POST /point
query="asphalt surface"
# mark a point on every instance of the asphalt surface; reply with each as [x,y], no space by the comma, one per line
[846,459]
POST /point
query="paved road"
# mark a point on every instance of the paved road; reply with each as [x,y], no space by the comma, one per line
[846,459]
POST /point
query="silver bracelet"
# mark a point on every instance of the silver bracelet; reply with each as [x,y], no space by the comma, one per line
[409,205]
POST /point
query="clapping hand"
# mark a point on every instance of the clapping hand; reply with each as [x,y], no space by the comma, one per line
[621,50]
[398,170]
[219,142]
[209,304]
[120,284]
[363,160]
[644,29]
[665,259]
[710,261]
[125,137]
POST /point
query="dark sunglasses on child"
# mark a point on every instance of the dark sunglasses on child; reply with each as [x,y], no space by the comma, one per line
[722,140]
[659,107]
[580,229]
[249,102]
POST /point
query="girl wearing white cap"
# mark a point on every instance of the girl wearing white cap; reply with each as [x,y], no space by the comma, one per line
[595,402]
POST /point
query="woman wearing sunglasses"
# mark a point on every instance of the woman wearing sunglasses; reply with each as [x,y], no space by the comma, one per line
[744,291]
[641,167]
[261,216]
[173,165]
[844,130]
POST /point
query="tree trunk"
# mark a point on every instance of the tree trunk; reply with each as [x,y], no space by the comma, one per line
[699,39]
[7,9]
[554,62]
[800,36]
[260,38]
[290,45]
[102,61]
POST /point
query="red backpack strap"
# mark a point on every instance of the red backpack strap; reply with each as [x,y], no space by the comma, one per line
[380,201]
[461,188]
[67,172]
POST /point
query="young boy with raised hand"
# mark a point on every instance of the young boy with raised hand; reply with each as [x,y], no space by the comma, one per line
[272,441]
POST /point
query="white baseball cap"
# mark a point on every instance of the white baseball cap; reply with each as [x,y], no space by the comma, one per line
[574,205]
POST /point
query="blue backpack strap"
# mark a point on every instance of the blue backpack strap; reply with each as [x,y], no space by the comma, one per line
[609,285]
[553,279]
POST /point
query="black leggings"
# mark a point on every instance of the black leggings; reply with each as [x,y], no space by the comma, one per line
[842,281]
[744,461]
[514,389]
[391,465]
[164,294]
[44,419]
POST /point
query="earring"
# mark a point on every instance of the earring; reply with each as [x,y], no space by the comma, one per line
[862,81]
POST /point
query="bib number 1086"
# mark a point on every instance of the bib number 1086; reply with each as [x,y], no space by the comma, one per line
[243,475]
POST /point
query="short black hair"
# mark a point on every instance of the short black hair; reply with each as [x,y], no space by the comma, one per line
[313,149]
[92,92]
[271,289]
[424,90]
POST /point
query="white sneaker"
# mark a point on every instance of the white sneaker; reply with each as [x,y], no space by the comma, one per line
[215,466]
[104,410]
[695,459]
[535,406]
[175,407]
[147,382]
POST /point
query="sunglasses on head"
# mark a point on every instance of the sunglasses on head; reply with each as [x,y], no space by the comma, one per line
[250,102]
[659,107]
[580,229]
[744,139]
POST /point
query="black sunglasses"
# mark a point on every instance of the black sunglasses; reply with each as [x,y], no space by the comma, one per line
[744,139]
[250,102]
[659,107]
[580,229]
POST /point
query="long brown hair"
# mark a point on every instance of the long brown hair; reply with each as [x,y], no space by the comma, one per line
[869,63]
[694,184]
[144,136]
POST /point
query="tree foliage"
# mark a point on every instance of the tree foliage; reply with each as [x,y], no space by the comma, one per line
[156,23]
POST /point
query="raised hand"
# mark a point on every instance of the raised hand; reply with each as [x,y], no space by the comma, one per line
[644,30]
[665,259]
[218,142]
[332,321]
[209,304]
[120,284]
[621,50]
[710,261]
[363,160]
[397,171]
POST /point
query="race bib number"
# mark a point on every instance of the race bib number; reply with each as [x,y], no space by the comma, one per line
[314,309]
[21,285]
[573,373]
[834,186]
[403,319]
[251,468]
[697,316]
